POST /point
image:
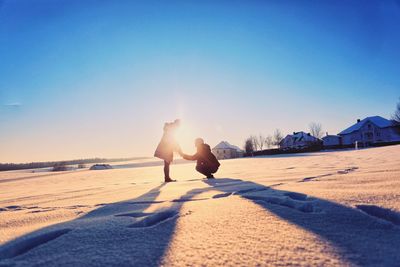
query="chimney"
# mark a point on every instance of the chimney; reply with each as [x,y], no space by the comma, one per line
[358,120]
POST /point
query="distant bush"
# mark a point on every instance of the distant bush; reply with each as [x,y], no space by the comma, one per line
[249,145]
[37,165]
[101,167]
[59,167]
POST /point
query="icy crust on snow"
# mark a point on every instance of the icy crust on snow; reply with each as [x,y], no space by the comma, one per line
[318,209]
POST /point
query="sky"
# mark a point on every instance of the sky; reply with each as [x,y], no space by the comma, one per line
[82,79]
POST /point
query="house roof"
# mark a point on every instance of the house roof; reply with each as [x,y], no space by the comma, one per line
[226,145]
[300,136]
[377,120]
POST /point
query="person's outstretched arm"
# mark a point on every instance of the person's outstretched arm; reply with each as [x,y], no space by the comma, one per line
[188,157]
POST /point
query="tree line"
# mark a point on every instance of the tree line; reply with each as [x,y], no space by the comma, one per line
[36,165]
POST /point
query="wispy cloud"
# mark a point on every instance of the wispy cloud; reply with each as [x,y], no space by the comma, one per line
[13,104]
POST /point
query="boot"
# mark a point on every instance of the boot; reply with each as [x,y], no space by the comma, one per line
[168,180]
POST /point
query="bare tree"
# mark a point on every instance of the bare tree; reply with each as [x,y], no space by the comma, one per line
[278,136]
[269,141]
[316,129]
[254,140]
[248,145]
[260,141]
[396,115]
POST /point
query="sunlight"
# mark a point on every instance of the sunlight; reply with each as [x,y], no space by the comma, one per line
[185,136]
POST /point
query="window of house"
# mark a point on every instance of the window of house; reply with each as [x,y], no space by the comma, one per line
[369,126]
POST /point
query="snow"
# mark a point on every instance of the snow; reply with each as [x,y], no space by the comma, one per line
[339,208]
[377,120]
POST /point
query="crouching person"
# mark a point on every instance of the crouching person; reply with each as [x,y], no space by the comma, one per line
[207,163]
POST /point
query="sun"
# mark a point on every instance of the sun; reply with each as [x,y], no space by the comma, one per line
[185,136]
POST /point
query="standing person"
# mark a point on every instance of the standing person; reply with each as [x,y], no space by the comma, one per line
[167,146]
[207,163]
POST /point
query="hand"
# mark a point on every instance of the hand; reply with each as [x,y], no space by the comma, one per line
[179,150]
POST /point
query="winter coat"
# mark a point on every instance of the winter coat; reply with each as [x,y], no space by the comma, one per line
[167,146]
[204,157]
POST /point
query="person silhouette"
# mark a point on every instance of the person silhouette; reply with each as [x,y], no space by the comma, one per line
[207,163]
[167,146]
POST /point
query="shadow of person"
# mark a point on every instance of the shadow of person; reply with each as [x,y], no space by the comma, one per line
[105,236]
[360,238]
[141,203]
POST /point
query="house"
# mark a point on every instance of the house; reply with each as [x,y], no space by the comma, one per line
[370,131]
[298,140]
[224,150]
[332,141]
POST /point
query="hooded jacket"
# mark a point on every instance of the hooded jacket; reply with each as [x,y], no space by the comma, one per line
[204,156]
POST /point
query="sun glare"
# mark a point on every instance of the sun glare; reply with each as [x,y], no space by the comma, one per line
[185,137]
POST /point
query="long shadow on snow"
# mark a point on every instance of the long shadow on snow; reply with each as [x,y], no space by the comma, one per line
[366,235]
[360,238]
[101,242]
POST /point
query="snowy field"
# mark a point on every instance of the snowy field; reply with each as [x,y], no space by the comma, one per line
[320,209]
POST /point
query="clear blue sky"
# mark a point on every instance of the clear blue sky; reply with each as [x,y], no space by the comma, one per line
[99,78]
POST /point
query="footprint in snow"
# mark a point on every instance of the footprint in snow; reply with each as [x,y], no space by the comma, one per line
[14,207]
[134,214]
[381,213]
[22,246]
[155,219]
[188,199]
[222,195]
[250,190]
[346,171]
[285,201]
[297,196]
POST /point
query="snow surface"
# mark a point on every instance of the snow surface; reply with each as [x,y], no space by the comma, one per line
[339,208]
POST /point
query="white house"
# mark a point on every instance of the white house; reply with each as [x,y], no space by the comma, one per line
[224,150]
[371,130]
[298,140]
[331,141]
